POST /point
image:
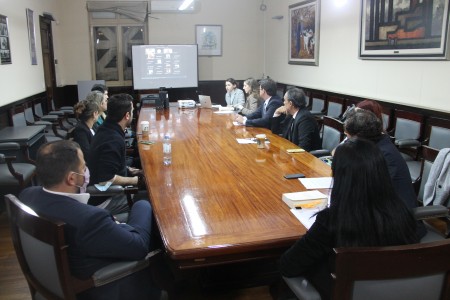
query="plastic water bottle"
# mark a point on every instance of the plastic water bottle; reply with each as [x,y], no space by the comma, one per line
[167,150]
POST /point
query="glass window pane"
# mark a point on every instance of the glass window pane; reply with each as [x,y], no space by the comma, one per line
[103,15]
[131,36]
[105,51]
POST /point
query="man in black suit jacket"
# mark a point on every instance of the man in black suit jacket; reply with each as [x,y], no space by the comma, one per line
[94,239]
[295,123]
[261,117]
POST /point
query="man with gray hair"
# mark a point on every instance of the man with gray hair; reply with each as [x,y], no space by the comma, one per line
[295,123]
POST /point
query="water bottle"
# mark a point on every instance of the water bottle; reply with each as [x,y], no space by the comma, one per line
[167,150]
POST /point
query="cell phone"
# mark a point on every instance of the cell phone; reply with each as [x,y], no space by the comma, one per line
[293,176]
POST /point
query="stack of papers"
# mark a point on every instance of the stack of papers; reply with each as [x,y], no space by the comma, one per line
[306,200]
[317,183]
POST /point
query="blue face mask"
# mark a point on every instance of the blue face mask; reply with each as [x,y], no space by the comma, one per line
[86,176]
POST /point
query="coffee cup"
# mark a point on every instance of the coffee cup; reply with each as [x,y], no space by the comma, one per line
[145,127]
[260,140]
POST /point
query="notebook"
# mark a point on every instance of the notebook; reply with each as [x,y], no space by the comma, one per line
[205,101]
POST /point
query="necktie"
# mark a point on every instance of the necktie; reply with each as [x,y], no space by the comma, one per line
[291,129]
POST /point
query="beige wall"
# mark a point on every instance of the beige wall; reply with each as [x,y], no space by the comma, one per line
[21,79]
[250,48]
[415,83]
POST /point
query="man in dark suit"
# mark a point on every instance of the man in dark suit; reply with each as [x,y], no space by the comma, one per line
[95,239]
[295,123]
[261,117]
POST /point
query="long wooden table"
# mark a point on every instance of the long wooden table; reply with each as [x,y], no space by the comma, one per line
[220,201]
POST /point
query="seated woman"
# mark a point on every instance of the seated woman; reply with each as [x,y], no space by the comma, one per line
[101,100]
[364,211]
[251,88]
[234,95]
[87,112]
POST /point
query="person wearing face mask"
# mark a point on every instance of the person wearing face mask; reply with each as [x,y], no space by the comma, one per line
[94,238]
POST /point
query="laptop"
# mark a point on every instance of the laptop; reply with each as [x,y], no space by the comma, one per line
[205,101]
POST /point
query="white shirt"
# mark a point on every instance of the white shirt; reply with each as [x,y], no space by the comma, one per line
[82,198]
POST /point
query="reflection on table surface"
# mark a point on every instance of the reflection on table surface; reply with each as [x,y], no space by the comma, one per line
[220,201]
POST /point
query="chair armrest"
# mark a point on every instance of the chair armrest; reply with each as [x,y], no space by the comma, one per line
[111,191]
[49,118]
[302,288]
[320,153]
[42,122]
[428,212]
[9,146]
[407,143]
[118,270]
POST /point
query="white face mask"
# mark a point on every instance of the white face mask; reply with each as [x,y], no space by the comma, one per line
[86,176]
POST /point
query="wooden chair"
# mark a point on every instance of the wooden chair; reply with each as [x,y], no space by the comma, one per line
[42,253]
[413,272]
[318,104]
[386,115]
[437,133]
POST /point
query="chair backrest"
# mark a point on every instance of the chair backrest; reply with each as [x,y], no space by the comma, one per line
[29,116]
[428,157]
[438,133]
[41,251]
[38,109]
[386,116]
[333,133]
[408,125]
[417,271]
[335,106]
[19,119]
[318,102]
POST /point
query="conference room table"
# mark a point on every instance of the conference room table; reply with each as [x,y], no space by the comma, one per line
[220,201]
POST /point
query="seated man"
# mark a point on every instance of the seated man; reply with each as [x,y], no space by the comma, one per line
[107,155]
[299,126]
[261,117]
[95,240]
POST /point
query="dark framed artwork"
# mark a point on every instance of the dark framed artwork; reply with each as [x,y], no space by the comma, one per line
[304,21]
[397,29]
[209,40]
[31,36]
[5,48]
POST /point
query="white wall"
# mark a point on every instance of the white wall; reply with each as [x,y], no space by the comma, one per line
[415,83]
[21,79]
[242,44]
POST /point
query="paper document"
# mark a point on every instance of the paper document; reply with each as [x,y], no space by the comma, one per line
[317,183]
[305,216]
[246,141]
[222,112]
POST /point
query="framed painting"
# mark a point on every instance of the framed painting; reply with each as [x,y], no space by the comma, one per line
[304,21]
[5,48]
[397,29]
[31,36]
[209,40]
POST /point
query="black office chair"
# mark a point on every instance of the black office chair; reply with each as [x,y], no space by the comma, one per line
[42,253]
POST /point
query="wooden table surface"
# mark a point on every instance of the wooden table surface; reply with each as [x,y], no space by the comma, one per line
[220,201]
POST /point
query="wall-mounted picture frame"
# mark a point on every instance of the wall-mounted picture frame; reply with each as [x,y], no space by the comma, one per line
[5,47]
[408,30]
[31,36]
[304,32]
[209,40]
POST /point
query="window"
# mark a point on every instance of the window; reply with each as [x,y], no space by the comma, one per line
[114,30]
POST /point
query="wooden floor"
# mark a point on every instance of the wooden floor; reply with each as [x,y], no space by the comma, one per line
[13,285]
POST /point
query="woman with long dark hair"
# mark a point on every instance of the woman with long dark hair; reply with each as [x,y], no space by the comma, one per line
[364,211]
[251,88]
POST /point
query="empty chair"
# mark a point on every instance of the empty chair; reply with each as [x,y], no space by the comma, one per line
[335,106]
[43,256]
[437,133]
[386,116]
[14,176]
[407,135]
[51,132]
[417,271]
[317,102]
[333,134]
